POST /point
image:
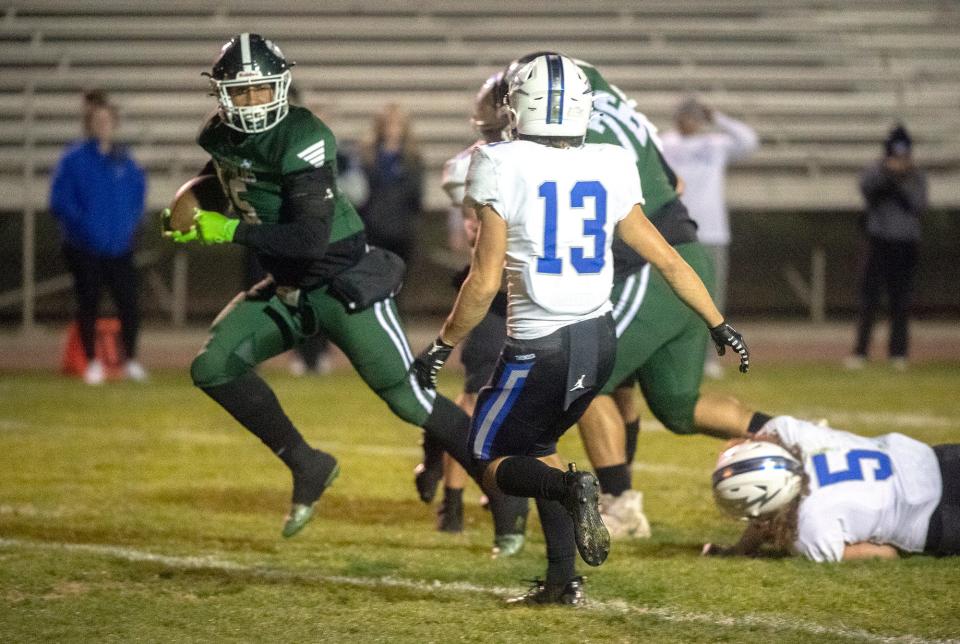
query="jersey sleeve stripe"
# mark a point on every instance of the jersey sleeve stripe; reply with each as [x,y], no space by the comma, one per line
[316,156]
[319,145]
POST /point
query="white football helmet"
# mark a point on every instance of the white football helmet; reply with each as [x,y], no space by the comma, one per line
[756,478]
[550,96]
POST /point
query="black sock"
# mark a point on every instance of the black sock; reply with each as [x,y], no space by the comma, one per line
[561,543]
[758,420]
[449,427]
[452,496]
[615,479]
[527,476]
[432,453]
[254,405]
[632,430]
[509,512]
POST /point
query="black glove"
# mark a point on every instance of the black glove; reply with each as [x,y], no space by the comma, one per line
[430,361]
[725,335]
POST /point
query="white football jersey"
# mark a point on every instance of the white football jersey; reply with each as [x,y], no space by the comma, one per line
[561,206]
[454,176]
[882,489]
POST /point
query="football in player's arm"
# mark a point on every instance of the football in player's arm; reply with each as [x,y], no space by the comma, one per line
[276,162]
[831,495]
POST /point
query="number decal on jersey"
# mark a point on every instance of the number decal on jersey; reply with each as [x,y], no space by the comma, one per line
[550,263]
[854,471]
[233,179]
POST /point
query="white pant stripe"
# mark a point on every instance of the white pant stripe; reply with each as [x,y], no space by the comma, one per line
[495,408]
[628,285]
[636,301]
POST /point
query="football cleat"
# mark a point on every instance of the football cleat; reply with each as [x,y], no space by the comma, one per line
[582,503]
[507,545]
[307,489]
[623,515]
[539,594]
[428,474]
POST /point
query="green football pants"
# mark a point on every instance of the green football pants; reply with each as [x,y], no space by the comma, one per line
[661,341]
[250,330]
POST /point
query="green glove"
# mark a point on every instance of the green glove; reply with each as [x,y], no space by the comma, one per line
[175,235]
[214,228]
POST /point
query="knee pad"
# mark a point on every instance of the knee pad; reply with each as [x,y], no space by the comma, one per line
[675,411]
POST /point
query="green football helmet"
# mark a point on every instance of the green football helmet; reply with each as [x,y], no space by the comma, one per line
[250,60]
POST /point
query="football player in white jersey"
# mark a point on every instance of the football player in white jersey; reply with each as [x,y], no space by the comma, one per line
[548,206]
[482,346]
[835,496]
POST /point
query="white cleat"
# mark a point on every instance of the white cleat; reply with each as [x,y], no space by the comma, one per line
[133,370]
[623,515]
[94,374]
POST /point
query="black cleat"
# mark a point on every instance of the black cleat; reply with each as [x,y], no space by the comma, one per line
[540,594]
[428,474]
[450,515]
[582,503]
[308,485]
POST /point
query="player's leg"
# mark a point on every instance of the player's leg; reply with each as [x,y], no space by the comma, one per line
[900,265]
[248,331]
[533,398]
[943,532]
[625,396]
[450,512]
[374,342]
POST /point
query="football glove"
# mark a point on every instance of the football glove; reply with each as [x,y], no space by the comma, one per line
[214,228]
[428,364]
[725,335]
[175,235]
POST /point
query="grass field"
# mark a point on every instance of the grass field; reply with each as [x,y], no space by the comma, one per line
[143,513]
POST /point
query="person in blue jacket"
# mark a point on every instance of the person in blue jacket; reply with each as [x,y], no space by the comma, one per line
[97,195]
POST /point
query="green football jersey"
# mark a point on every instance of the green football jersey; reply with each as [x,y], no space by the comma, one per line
[614,120]
[251,166]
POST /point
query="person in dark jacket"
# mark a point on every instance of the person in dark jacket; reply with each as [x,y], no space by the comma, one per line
[394,170]
[895,194]
[97,195]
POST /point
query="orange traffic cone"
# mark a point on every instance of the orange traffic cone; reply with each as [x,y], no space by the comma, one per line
[107,347]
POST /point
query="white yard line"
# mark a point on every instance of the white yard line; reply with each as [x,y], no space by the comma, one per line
[677,615]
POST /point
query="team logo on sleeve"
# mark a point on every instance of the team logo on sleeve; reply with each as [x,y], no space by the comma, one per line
[315,154]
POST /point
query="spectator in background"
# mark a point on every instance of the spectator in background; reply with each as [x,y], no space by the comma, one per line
[895,194]
[703,142]
[97,195]
[394,170]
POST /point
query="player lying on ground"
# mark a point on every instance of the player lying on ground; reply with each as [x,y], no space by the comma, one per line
[277,164]
[830,495]
[548,208]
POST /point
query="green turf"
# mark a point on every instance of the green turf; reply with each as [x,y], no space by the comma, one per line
[96,481]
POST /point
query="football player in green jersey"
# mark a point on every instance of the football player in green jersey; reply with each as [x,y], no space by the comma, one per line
[277,164]
[659,346]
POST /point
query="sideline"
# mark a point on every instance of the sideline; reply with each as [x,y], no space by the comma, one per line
[211,562]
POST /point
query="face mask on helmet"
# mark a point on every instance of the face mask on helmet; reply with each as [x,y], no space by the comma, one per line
[550,96]
[756,478]
[488,118]
[247,61]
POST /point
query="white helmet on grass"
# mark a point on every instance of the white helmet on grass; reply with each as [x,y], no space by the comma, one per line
[756,478]
[550,96]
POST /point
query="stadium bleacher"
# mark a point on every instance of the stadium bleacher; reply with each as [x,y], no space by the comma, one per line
[820,80]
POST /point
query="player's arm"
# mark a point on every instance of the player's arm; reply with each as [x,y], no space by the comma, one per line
[756,534]
[307,206]
[867,550]
[641,235]
[637,231]
[483,281]
[473,301]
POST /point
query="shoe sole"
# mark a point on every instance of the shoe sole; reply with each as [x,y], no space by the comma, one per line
[593,539]
[301,514]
